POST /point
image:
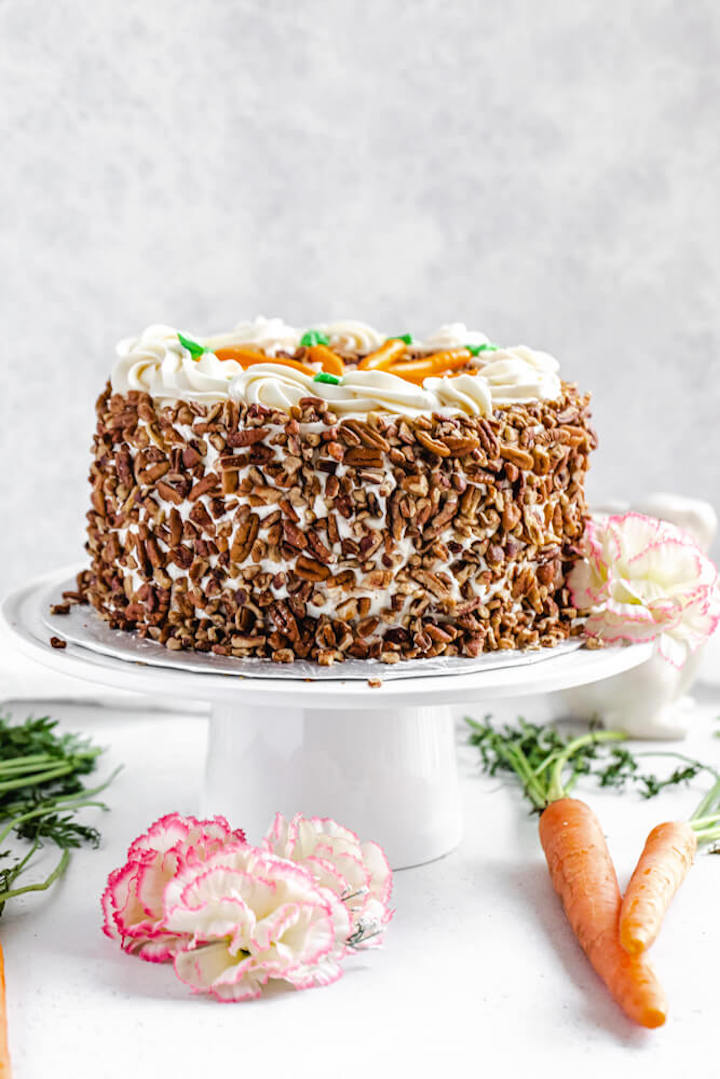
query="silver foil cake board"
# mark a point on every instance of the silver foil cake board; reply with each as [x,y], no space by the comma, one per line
[82,626]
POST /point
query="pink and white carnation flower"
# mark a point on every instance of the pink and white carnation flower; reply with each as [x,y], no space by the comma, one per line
[133,899]
[643,579]
[247,918]
[357,872]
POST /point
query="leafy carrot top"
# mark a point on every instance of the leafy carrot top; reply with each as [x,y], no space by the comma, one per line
[549,763]
[41,791]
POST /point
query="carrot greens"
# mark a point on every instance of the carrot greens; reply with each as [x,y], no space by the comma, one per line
[532,750]
[41,794]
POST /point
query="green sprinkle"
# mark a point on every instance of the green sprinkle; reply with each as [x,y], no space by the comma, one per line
[193,347]
[406,337]
[314,337]
[475,349]
[325,376]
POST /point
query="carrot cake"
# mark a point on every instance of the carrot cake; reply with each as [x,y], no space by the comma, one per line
[334,492]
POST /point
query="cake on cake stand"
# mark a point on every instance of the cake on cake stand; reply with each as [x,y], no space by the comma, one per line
[371,746]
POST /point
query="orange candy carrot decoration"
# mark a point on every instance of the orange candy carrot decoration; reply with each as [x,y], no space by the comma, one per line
[386,358]
[383,357]
[247,357]
[241,354]
[584,877]
[439,363]
[329,361]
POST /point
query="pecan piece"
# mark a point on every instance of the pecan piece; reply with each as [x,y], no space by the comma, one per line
[459,447]
[469,502]
[433,583]
[229,482]
[433,445]
[366,434]
[244,538]
[367,626]
[208,484]
[200,516]
[170,494]
[247,436]
[310,570]
[516,456]
[318,548]
[363,456]
[153,552]
[546,573]
[294,536]
[190,457]
[284,620]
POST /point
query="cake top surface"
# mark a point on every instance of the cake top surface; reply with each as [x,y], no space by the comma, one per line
[348,364]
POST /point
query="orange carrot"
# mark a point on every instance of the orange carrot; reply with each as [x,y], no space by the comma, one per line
[5,1070]
[247,357]
[584,877]
[289,363]
[580,865]
[439,363]
[382,357]
[328,360]
[667,856]
[241,354]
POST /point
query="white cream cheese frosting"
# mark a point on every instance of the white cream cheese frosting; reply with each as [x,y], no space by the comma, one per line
[352,336]
[272,335]
[158,363]
[520,374]
[452,335]
[361,392]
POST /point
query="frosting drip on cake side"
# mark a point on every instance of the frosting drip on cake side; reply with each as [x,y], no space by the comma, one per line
[158,363]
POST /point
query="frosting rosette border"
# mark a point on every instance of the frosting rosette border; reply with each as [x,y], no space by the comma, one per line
[158,362]
[644,579]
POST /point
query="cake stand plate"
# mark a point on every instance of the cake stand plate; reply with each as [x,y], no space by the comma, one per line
[379,758]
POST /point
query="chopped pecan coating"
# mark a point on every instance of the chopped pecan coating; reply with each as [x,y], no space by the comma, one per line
[246,531]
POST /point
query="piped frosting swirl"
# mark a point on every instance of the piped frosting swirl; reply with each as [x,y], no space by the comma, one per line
[158,363]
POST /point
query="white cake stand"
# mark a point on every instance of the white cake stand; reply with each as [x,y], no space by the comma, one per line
[381,760]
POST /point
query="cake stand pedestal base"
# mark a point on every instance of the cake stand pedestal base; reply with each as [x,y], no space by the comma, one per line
[381,772]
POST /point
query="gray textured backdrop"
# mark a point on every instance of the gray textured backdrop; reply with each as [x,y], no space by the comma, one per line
[548,172]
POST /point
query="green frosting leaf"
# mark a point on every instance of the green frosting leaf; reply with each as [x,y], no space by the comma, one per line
[406,337]
[475,349]
[193,347]
[314,337]
[325,376]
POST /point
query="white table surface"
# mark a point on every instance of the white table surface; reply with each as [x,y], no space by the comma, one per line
[479,970]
